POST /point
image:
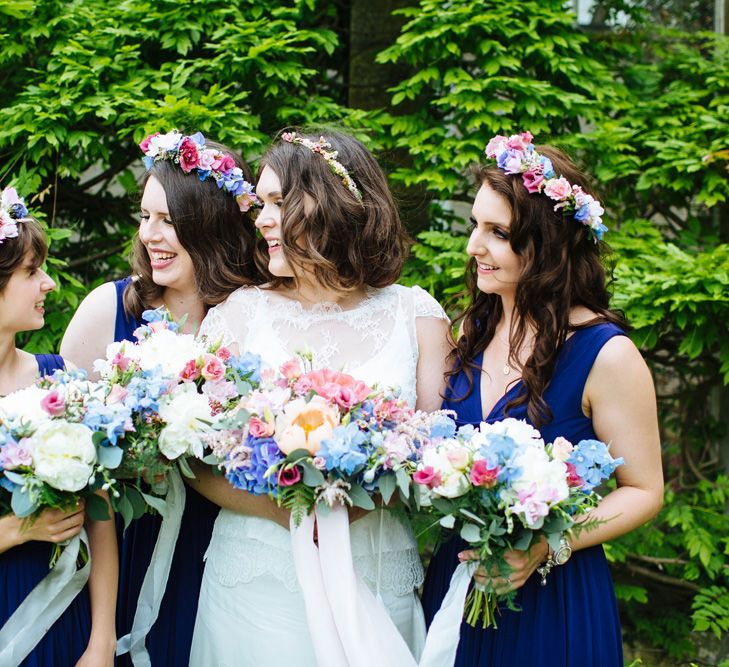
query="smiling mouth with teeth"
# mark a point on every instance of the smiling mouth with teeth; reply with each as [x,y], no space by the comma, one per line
[274,243]
[487,267]
[161,256]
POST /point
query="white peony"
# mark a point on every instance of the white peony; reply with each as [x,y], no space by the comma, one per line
[182,410]
[540,474]
[517,429]
[63,455]
[454,482]
[167,349]
[24,406]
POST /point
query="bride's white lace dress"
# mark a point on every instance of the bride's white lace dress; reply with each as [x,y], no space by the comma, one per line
[251,611]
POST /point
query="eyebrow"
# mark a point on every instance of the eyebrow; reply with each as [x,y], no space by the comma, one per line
[503,225]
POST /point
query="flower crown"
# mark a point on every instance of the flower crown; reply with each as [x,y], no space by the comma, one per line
[191,154]
[516,155]
[323,148]
[12,208]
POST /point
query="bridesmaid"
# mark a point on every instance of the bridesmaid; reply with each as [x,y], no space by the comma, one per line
[193,248]
[538,342]
[84,634]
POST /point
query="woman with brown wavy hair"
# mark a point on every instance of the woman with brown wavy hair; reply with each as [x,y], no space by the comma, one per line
[194,247]
[539,342]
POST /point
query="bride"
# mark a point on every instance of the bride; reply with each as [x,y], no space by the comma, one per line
[333,247]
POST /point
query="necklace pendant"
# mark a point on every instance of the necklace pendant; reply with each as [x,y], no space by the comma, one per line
[506,370]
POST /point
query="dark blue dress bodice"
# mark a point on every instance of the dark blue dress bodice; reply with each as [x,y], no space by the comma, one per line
[23,567]
[573,620]
[170,638]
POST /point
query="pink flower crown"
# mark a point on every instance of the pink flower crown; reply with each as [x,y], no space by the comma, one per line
[323,148]
[12,209]
[516,155]
[192,155]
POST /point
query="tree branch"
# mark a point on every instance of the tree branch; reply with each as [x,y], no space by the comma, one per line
[662,578]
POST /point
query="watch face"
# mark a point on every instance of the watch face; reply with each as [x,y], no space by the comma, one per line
[562,555]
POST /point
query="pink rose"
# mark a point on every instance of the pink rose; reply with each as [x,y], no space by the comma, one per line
[482,475]
[222,353]
[291,369]
[53,404]
[427,477]
[213,369]
[15,454]
[289,476]
[189,155]
[116,395]
[558,188]
[532,181]
[573,479]
[223,163]
[259,428]
[144,144]
[190,372]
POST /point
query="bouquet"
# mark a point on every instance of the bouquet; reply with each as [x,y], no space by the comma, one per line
[310,436]
[502,488]
[54,447]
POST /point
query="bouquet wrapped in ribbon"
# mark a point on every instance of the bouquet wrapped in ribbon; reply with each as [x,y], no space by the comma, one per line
[501,488]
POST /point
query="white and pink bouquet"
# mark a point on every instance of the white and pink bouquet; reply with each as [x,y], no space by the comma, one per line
[501,488]
[307,436]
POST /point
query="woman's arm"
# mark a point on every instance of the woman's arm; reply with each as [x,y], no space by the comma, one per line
[53,526]
[102,591]
[434,346]
[219,491]
[91,329]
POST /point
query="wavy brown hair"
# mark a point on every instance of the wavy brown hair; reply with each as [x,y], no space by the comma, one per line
[31,241]
[562,267]
[345,243]
[210,226]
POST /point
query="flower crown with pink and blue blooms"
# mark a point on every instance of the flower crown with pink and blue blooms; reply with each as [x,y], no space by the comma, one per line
[192,155]
[12,209]
[516,155]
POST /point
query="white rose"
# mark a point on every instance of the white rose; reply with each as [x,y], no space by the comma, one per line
[25,405]
[63,455]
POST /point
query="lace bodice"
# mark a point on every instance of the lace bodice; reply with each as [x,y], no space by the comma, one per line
[376,341]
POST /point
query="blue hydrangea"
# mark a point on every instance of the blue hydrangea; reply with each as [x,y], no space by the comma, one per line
[442,427]
[343,451]
[264,454]
[593,462]
[109,419]
[143,392]
[248,365]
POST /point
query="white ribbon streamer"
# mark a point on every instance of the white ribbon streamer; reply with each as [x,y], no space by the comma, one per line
[155,579]
[348,625]
[44,604]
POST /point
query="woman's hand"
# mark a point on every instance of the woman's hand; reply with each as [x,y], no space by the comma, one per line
[522,564]
[99,653]
[52,525]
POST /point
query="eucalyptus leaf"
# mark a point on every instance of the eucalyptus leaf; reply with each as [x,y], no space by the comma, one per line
[386,485]
[360,497]
[471,532]
[157,503]
[22,504]
[97,507]
[109,456]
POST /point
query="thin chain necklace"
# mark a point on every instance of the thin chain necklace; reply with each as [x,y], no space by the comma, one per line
[506,369]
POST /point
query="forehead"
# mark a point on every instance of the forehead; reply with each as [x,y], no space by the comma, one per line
[268,182]
[490,206]
[154,197]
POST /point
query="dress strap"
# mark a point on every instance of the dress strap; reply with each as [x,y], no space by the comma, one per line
[124,324]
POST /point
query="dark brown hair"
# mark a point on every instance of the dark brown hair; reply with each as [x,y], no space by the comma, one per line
[31,240]
[562,267]
[344,242]
[210,226]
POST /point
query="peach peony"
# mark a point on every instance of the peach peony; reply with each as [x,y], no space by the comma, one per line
[305,425]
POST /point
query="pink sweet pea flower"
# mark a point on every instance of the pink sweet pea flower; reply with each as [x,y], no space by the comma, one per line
[532,181]
[223,163]
[14,455]
[289,476]
[260,428]
[291,369]
[160,325]
[482,475]
[212,369]
[519,141]
[573,479]
[330,384]
[189,155]
[144,144]
[219,391]
[561,448]
[558,188]
[427,477]
[121,362]
[53,404]
[116,395]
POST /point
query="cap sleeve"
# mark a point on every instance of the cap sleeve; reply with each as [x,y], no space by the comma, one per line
[426,305]
[228,322]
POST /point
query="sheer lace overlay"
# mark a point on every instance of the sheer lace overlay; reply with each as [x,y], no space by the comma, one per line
[376,342]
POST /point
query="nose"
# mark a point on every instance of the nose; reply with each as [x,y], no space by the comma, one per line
[265,218]
[47,283]
[475,245]
[149,230]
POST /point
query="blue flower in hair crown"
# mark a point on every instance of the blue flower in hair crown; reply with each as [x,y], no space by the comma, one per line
[516,155]
[12,209]
[191,154]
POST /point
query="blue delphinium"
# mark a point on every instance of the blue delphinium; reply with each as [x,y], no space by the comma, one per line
[344,449]
[111,419]
[248,365]
[593,462]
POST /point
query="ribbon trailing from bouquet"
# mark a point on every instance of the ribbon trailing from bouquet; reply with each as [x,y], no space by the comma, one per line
[155,579]
[348,624]
[44,604]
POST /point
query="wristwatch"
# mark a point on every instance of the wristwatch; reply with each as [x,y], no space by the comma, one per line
[554,558]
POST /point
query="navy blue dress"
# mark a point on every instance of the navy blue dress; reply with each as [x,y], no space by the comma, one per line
[573,620]
[169,640]
[23,567]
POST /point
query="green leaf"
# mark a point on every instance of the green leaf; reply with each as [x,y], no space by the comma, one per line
[98,508]
[360,498]
[471,532]
[386,485]
[109,456]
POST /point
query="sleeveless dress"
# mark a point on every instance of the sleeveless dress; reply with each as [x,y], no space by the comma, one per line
[23,567]
[573,620]
[168,642]
[251,611]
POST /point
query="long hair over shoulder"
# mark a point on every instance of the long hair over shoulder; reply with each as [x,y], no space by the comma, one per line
[562,268]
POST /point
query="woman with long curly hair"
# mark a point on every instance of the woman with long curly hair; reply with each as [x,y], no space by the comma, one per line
[539,342]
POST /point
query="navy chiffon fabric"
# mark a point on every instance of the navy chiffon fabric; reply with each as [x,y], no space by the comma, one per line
[573,620]
[23,567]
[170,638]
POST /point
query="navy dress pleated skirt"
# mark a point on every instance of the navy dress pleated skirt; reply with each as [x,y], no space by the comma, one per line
[573,620]
[170,638]
[23,567]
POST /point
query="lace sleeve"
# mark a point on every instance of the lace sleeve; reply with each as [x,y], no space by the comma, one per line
[426,306]
[228,321]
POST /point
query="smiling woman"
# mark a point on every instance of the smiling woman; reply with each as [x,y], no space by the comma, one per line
[193,248]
